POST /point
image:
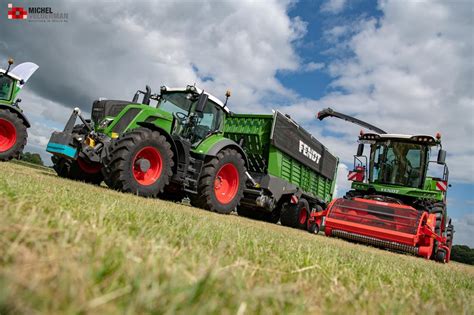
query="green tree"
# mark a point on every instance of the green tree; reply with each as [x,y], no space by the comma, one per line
[462,254]
[33,158]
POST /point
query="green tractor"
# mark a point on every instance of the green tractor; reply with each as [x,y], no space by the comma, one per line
[175,149]
[13,123]
[394,202]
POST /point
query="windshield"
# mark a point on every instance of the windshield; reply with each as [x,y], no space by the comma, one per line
[177,102]
[5,87]
[397,163]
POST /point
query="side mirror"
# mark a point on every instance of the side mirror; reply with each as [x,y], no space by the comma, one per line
[135,97]
[360,149]
[201,103]
[441,157]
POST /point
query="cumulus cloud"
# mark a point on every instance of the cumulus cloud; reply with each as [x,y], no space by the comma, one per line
[406,74]
[333,6]
[112,53]
[464,230]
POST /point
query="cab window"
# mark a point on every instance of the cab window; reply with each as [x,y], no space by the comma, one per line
[5,87]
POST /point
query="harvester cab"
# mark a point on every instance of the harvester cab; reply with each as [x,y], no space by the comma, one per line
[13,123]
[394,202]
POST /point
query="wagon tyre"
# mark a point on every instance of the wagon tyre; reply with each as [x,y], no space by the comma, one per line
[139,162]
[13,135]
[221,184]
[295,215]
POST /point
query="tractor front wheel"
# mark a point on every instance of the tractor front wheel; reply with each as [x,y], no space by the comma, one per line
[140,162]
[222,181]
[13,135]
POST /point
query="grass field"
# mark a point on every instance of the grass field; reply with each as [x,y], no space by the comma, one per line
[68,247]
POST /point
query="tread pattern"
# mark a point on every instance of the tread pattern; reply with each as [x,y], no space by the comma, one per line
[70,169]
[205,197]
[120,156]
[21,133]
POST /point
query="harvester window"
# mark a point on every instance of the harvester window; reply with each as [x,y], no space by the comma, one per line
[398,163]
[5,87]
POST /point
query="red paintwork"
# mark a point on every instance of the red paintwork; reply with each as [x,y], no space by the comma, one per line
[226,183]
[89,168]
[156,165]
[386,221]
[357,175]
[303,215]
[7,135]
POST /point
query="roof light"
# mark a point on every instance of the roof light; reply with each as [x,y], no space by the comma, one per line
[361,131]
[438,136]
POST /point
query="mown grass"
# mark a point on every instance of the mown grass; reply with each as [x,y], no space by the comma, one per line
[72,248]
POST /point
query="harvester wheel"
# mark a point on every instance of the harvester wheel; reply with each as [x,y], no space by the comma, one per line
[295,215]
[79,170]
[13,135]
[222,181]
[140,162]
[440,256]
[438,210]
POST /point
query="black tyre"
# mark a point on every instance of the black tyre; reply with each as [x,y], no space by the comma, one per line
[139,162]
[172,192]
[222,182]
[271,217]
[80,170]
[438,210]
[295,215]
[440,256]
[13,135]
[449,235]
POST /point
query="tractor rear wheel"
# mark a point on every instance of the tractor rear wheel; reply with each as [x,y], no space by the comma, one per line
[222,181]
[296,215]
[13,135]
[140,162]
[80,170]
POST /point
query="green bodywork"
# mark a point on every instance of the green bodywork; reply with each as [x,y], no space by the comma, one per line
[428,192]
[9,90]
[419,186]
[255,131]
[159,118]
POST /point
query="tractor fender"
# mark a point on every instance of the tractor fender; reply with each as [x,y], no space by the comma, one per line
[165,134]
[227,144]
[18,112]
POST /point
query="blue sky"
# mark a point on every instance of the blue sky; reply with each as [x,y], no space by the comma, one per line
[377,60]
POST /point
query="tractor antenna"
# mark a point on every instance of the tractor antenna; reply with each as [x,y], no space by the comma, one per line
[10,62]
[227,95]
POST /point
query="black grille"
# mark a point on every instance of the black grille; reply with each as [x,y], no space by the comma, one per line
[125,120]
[101,109]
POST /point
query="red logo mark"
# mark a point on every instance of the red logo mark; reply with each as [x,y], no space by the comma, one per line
[16,13]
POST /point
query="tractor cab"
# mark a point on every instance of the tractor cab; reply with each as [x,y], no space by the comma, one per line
[11,81]
[196,114]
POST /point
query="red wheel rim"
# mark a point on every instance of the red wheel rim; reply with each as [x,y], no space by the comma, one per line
[303,215]
[7,135]
[226,183]
[153,173]
[88,167]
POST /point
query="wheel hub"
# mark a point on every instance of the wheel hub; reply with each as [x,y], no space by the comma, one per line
[142,164]
[7,135]
[226,183]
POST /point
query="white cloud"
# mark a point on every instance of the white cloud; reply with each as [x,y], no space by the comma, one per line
[464,230]
[409,75]
[342,184]
[333,6]
[312,66]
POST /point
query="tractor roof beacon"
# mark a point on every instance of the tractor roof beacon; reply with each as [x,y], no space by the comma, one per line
[13,123]
[394,201]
